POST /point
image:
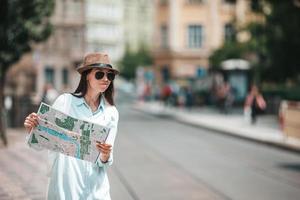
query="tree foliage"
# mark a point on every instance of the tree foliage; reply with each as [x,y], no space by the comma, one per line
[283,41]
[132,60]
[230,50]
[274,45]
[21,24]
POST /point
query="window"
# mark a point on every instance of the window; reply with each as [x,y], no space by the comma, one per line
[64,7]
[195,1]
[49,75]
[65,76]
[201,71]
[75,38]
[163,2]
[73,9]
[229,32]
[230,1]
[164,36]
[195,36]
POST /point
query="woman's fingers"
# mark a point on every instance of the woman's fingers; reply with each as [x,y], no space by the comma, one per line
[104,151]
[104,148]
[27,125]
[34,115]
[104,145]
[34,121]
[31,121]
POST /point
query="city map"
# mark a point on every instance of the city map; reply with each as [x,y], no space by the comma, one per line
[67,135]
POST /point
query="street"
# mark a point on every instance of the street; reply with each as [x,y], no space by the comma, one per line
[207,91]
[157,158]
[162,159]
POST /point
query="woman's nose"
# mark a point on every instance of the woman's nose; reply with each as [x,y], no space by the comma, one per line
[105,77]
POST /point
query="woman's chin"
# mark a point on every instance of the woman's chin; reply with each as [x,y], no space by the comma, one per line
[102,89]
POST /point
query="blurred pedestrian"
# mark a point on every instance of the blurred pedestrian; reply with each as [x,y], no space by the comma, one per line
[225,97]
[189,99]
[181,97]
[229,99]
[166,94]
[254,104]
[49,94]
[71,178]
[147,92]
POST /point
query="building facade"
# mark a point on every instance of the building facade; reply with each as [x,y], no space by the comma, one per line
[104,29]
[57,59]
[138,24]
[187,31]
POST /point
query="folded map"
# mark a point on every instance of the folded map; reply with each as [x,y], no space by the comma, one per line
[67,135]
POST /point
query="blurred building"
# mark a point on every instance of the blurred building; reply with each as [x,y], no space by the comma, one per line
[57,59]
[138,24]
[187,31]
[53,61]
[105,30]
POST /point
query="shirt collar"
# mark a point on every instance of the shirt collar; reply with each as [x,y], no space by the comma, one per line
[81,101]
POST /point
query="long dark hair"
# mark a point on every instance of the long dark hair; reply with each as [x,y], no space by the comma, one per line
[82,89]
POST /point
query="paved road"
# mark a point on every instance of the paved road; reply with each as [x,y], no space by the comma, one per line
[157,158]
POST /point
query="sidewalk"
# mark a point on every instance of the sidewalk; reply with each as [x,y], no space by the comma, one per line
[266,130]
[22,170]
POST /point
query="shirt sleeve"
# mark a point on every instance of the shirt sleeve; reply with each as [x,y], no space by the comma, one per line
[60,103]
[113,124]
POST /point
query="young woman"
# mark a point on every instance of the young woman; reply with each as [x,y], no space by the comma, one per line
[255,102]
[71,178]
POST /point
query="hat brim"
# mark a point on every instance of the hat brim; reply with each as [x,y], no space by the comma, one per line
[83,68]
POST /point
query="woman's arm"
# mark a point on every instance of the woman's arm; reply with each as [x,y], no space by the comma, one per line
[109,141]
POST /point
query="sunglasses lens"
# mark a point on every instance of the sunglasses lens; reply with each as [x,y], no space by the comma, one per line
[110,76]
[99,75]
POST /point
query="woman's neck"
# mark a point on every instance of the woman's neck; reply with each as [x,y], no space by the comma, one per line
[92,99]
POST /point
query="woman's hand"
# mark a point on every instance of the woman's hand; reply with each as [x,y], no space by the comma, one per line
[31,121]
[105,150]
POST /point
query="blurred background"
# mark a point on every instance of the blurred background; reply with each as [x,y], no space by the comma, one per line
[208,95]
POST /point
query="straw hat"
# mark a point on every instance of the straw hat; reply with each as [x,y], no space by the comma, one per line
[96,60]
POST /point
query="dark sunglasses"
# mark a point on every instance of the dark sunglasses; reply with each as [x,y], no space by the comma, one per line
[110,75]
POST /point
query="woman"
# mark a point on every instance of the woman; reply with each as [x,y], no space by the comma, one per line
[71,178]
[255,103]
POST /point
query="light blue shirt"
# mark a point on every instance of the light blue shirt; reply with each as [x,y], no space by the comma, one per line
[74,179]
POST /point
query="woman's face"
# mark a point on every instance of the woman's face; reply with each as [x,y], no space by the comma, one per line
[98,79]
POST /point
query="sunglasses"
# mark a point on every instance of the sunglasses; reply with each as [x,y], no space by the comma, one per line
[110,75]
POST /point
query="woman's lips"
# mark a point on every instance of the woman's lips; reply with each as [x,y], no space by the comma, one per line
[104,84]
